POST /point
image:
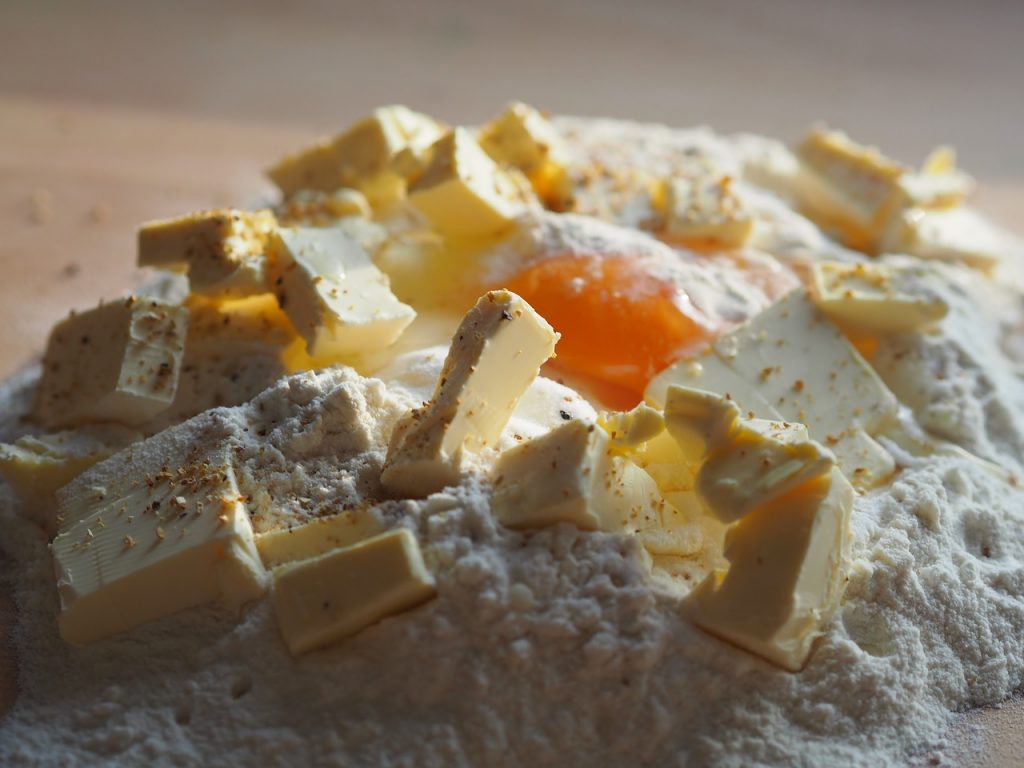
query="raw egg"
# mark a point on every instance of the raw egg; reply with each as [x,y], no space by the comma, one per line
[620,323]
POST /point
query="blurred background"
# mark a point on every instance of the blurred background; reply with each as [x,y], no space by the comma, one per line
[904,75]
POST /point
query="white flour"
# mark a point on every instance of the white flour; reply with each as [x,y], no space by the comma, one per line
[553,647]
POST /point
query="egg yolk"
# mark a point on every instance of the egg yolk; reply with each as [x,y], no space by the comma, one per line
[620,325]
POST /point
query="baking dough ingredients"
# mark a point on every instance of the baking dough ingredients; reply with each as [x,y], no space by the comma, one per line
[620,323]
[118,362]
[463,193]
[323,599]
[495,355]
[35,466]
[222,251]
[157,530]
[790,363]
[706,628]
[788,540]
[336,298]
[571,475]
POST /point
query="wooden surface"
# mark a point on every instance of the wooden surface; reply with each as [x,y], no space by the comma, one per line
[903,73]
[114,113]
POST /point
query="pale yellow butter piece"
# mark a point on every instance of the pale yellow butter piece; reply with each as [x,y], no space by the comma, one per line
[865,462]
[571,475]
[780,431]
[849,187]
[119,362]
[867,298]
[680,531]
[390,138]
[311,208]
[876,204]
[708,211]
[672,540]
[316,537]
[955,234]
[939,184]
[743,463]
[36,466]
[710,372]
[523,138]
[673,469]
[495,354]
[463,192]
[325,599]
[315,167]
[222,250]
[383,148]
[788,542]
[791,363]
[233,351]
[631,430]
[154,530]
[336,298]
[697,420]
[787,572]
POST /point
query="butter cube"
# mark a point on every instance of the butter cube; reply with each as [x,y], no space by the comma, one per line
[310,208]
[523,138]
[698,420]
[154,530]
[545,405]
[790,363]
[334,295]
[391,136]
[807,370]
[222,250]
[118,362]
[495,354]
[314,168]
[788,540]
[463,192]
[939,183]
[36,466]
[713,373]
[631,430]
[848,187]
[317,537]
[787,571]
[864,461]
[233,351]
[386,143]
[745,463]
[955,234]
[707,211]
[571,475]
[876,204]
[325,599]
[867,298]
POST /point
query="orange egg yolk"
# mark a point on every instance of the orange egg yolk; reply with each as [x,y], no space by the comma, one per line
[620,325]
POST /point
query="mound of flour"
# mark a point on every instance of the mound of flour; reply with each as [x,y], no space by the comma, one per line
[548,647]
